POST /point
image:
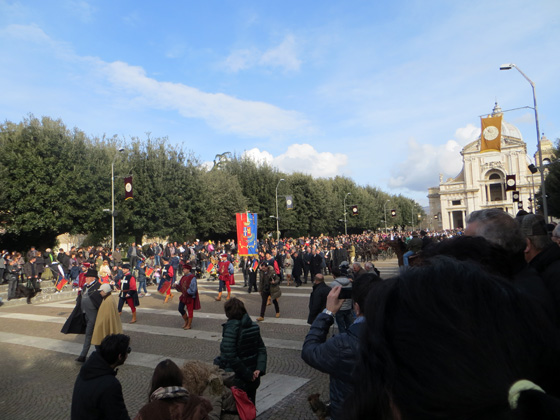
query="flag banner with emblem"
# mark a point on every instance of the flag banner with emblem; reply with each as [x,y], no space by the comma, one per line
[520,205]
[128,188]
[511,184]
[61,283]
[246,234]
[289,202]
[491,134]
[149,271]
[209,268]
[515,196]
[354,210]
[164,286]
[255,265]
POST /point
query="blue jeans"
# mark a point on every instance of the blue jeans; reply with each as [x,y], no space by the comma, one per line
[405,257]
[142,285]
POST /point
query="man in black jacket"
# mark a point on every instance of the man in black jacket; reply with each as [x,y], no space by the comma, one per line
[338,355]
[318,297]
[97,392]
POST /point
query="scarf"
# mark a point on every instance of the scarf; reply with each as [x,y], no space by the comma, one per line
[169,392]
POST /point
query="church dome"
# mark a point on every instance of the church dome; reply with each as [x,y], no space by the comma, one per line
[508,130]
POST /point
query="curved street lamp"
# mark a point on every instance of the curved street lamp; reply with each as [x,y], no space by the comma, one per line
[541,167]
[385,213]
[345,227]
[113,200]
[277,225]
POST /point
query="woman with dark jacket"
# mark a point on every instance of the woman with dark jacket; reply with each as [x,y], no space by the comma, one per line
[168,400]
[242,349]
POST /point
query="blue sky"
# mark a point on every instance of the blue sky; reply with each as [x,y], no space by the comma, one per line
[386,93]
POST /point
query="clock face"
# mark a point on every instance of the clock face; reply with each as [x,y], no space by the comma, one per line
[490,133]
[128,187]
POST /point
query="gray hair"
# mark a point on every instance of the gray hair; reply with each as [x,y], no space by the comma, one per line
[498,227]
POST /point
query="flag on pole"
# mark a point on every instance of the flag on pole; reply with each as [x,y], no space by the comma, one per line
[61,283]
[164,286]
[246,233]
[510,183]
[255,265]
[209,268]
[128,188]
[289,202]
[491,134]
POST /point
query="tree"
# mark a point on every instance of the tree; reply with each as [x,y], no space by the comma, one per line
[552,183]
[49,177]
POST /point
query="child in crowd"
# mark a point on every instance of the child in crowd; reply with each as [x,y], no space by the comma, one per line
[142,280]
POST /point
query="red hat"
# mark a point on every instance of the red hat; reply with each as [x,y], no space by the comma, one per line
[187,267]
[223,255]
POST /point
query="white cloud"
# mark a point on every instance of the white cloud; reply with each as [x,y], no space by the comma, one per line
[424,162]
[82,9]
[241,60]
[221,111]
[283,56]
[259,157]
[130,84]
[302,158]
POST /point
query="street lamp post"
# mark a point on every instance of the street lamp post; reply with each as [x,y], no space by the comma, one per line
[113,201]
[277,224]
[541,167]
[385,213]
[345,227]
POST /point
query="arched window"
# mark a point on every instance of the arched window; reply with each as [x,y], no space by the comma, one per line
[495,187]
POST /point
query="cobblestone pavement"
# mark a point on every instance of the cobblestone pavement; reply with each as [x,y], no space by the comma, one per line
[38,369]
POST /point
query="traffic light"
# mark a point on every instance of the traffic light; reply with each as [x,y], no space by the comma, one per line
[393,213]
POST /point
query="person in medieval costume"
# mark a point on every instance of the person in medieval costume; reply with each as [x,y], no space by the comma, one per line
[225,273]
[189,296]
[128,294]
[166,282]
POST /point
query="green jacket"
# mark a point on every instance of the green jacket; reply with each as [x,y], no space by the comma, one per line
[242,349]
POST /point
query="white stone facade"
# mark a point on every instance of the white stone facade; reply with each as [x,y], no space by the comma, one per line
[481,184]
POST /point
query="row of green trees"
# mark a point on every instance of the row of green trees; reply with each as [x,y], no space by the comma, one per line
[56,180]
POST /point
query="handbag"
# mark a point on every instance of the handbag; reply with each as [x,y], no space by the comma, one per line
[245,407]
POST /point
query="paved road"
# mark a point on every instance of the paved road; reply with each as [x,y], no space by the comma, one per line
[38,369]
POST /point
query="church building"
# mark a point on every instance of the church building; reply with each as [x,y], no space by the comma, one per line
[496,173]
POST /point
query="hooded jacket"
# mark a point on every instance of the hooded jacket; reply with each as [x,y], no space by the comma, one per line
[97,392]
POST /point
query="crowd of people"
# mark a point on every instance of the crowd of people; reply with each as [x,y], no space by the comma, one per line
[468,329]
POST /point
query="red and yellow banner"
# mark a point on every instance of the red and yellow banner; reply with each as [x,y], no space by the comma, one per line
[247,233]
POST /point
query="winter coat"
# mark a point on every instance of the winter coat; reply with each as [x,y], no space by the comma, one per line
[336,356]
[97,392]
[242,350]
[317,300]
[298,266]
[270,283]
[547,264]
